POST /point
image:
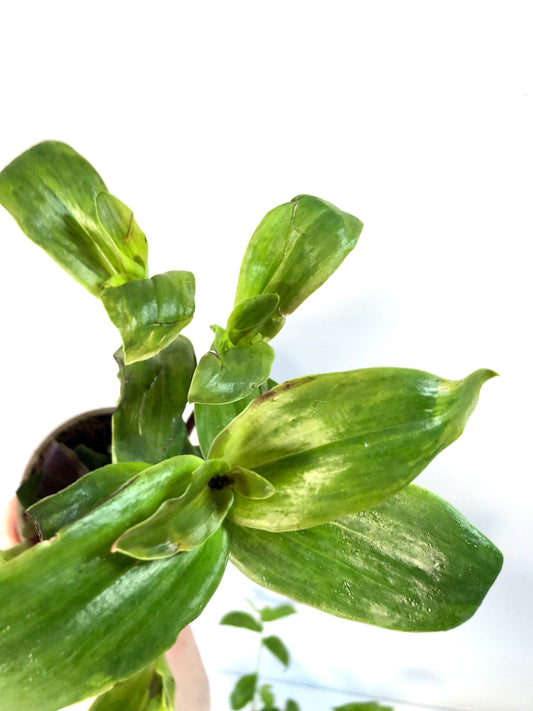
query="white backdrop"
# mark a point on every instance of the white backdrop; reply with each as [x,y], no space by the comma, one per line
[416,117]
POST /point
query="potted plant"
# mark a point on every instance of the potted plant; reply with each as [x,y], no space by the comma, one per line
[305,486]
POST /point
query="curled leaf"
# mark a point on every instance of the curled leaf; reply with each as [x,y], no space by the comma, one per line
[151,689]
[119,223]
[148,424]
[52,192]
[227,376]
[150,313]
[211,419]
[178,525]
[247,318]
[250,484]
[182,523]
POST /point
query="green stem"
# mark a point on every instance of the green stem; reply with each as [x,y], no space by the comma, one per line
[257,671]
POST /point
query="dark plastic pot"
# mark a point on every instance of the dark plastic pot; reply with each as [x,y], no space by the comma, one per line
[73,449]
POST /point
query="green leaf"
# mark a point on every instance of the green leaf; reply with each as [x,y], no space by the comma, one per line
[162,692]
[243,691]
[118,222]
[182,523]
[211,419]
[226,376]
[269,614]
[148,424]
[249,484]
[151,689]
[291,705]
[68,604]
[247,318]
[53,193]
[242,619]
[176,526]
[266,695]
[90,458]
[150,313]
[292,252]
[339,443]
[56,511]
[413,563]
[278,649]
[10,553]
[295,248]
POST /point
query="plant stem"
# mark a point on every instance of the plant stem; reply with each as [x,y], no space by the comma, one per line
[190,424]
[257,671]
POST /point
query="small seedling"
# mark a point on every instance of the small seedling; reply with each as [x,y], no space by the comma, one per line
[248,688]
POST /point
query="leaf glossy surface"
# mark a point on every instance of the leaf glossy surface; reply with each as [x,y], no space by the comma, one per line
[148,425]
[226,376]
[54,512]
[182,523]
[92,618]
[150,313]
[211,419]
[295,248]
[413,563]
[52,193]
[339,443]
[151,689]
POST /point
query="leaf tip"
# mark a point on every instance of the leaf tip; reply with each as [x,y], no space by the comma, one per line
[485,374]
[475,381]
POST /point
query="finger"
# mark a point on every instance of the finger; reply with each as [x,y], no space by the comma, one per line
[192,686]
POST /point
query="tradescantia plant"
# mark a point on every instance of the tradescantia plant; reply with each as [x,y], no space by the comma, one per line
[305,486]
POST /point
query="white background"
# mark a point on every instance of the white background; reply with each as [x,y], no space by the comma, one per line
[416,117]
